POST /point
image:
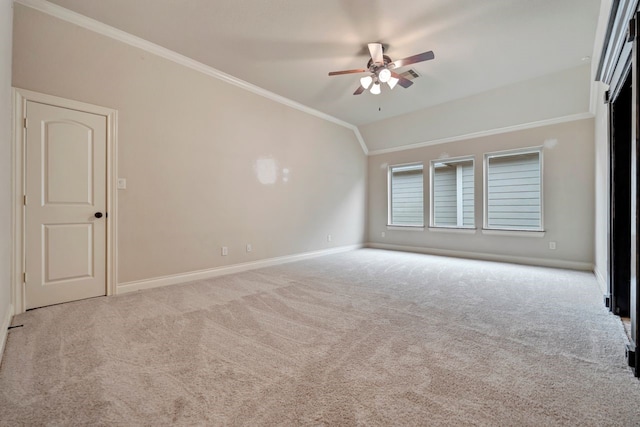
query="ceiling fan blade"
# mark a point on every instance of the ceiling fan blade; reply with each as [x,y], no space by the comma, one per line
[403,81]
[359,90]
[375,49]
[337,73]
[424,56]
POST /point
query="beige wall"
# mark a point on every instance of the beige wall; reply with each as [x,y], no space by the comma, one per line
[568,198]
[6,15]
[207,164]
[555,95]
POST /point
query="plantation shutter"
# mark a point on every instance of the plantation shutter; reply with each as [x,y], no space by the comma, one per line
[407,196]
[514,192]
[468,219]
[453,194]
[445,196]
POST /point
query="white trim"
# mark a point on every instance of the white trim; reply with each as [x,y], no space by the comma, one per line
[175,279]
[140,43]
[17,159]
[541,262]
[356,130]
[512,233]
[20,97]
[497,131]
[405,227]
[459,230]
[4,332]
[593,91]
[602,283]
[615,38]
[459,198]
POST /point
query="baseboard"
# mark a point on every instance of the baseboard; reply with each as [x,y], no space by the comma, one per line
[541,262]
[602,282]
[4,332]
[229,269]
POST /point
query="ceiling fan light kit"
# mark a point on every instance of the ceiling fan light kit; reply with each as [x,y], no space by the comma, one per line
[381,70]
[366,81]
[384,75]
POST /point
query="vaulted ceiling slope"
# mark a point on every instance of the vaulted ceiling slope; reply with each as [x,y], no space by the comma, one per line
[288,46]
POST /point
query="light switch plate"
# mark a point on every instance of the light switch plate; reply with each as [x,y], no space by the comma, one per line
[122,183]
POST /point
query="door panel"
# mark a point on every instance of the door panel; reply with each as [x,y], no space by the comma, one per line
[68,250]
[68,143]
[65,243]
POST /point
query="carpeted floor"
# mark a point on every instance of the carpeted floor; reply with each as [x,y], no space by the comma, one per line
[363,338]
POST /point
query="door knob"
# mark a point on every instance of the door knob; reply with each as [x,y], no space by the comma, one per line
[98,214]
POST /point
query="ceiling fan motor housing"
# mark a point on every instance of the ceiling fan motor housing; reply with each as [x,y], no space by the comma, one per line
[373,67]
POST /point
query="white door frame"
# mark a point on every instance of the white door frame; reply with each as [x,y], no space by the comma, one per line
[20,98]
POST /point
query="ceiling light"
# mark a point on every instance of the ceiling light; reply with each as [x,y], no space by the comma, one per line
[375,89]
[366,81]
[392,82]
[384,75]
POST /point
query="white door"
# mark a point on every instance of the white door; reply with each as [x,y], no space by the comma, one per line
[65,218]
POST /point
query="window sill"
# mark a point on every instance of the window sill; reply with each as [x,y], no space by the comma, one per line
[405,227]
[513,233]
[461,230]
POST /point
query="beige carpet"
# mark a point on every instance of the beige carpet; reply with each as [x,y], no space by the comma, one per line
[363,338]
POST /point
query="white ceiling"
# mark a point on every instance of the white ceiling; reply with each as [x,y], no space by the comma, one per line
[289,46]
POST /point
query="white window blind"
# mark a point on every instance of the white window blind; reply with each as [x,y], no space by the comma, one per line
[406,196]
[514,191]
[468,217]
[453,194]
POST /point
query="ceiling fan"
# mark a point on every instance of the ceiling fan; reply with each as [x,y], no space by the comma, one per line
[381,70]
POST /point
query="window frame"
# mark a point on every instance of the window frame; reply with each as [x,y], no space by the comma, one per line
[485,183]
[390,169]
[461,159]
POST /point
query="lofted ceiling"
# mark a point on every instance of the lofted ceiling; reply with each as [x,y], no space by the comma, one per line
[289,46]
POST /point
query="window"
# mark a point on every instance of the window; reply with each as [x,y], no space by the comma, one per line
[406,206]
[452,193]
[513,198]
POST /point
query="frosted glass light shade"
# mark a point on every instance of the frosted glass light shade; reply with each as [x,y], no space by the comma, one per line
[366,81]
[375,89]
[392,82]
[384,75]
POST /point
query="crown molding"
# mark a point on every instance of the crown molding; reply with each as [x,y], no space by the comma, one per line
[356,130]
[140,43]
[524,126]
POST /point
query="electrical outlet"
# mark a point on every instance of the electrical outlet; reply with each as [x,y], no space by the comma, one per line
[225,251]
[383,234]
[122,184]
[552,245]
[329,238]
[249,247]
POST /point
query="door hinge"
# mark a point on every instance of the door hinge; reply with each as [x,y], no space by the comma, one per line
[25,123]
[631,34]
[24,200]
[24,277]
